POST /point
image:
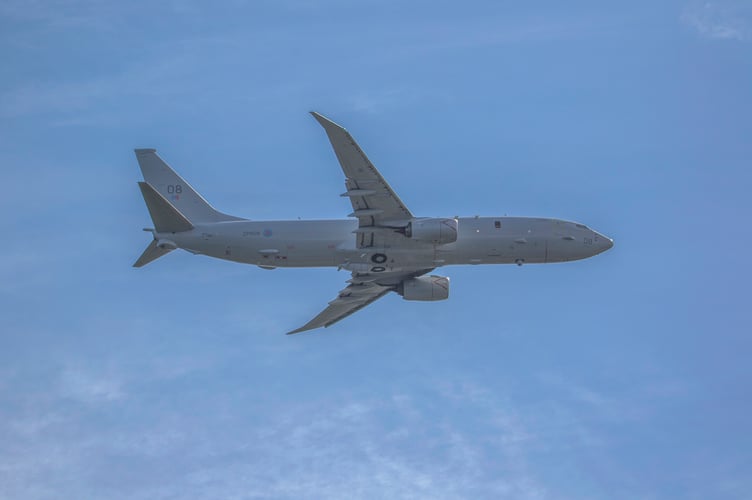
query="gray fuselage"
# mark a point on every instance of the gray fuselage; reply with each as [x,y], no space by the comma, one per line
[331,243]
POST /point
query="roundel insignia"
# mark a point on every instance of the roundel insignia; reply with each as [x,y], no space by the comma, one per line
[378,258]
[267,233]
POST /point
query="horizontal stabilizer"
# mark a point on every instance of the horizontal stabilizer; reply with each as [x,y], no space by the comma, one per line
[166,218]
[152,252]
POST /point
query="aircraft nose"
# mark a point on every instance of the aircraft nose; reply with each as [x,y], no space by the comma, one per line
[603,242]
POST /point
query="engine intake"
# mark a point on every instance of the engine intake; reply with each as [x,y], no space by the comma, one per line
[426,288]
[437,231]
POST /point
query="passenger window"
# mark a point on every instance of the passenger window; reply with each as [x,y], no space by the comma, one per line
[497,224]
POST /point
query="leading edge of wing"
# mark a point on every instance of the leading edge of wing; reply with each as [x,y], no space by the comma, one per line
[350,300]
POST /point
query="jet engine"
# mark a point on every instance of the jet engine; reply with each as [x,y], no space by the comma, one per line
[425,288]
[437,231]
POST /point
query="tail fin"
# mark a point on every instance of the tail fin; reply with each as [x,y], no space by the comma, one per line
[173,189]
[166,218]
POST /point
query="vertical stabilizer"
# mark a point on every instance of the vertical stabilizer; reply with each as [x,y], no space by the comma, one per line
[176,190]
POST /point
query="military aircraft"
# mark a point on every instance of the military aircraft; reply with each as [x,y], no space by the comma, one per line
[383,245]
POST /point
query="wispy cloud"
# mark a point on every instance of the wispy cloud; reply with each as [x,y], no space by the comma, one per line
[89,388]
[722,19]
[391,446]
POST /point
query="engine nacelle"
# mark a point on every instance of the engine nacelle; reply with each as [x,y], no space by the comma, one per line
[437,231]
[425,288]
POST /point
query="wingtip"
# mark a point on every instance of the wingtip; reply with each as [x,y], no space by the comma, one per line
[303,328]
[297,330]
[319,117]
[326,122]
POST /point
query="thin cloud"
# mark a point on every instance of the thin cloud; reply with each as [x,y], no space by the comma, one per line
[722,20]
[90,388]
[345,447]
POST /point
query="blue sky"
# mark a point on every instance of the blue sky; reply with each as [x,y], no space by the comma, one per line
[622,376]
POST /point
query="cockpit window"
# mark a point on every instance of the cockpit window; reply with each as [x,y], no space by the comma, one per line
[581,226]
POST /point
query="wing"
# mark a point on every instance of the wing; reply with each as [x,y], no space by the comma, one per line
[374,202]
[353,298]
[363,289]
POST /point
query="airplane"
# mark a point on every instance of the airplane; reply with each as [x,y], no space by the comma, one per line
[383,245]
